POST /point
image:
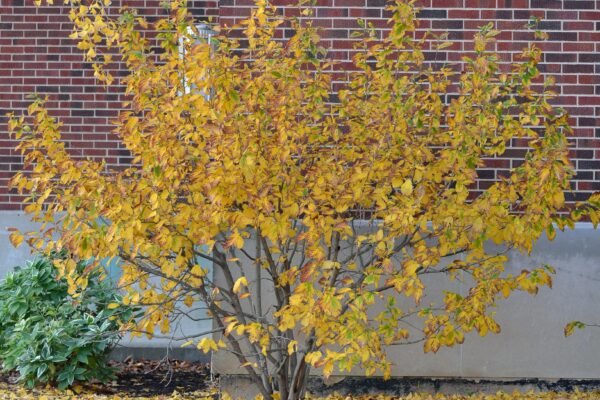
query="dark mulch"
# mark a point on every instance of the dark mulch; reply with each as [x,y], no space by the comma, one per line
[7,378]
[151,378]
[145,378]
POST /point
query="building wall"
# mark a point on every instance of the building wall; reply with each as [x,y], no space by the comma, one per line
[572,55]
[531,343]
[36,55]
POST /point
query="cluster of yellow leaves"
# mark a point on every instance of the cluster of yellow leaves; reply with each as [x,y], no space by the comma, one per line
[9,392]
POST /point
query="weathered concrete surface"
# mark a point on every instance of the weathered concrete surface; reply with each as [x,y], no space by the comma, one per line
[11,257]
[240,387]
[531,344]
[159,353]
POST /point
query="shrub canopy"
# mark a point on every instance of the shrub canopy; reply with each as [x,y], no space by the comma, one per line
[338,208]
[51,335]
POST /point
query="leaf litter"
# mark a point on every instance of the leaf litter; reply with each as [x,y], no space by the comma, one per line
[181,380]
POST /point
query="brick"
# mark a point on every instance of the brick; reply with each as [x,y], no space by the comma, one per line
[549,25]
[583,175]
[431,13]
[578,47]
[480,3]
[560,57]
[376,3]
[575,196]
[577,68]
[447,24]
[486,174]
[578,25]
[36,55]
[563,15]
[579,5]
[464,14]
[546,4]
[589,36]
[563,36]
[589,15]
[366,12]
[332,13]
[448,3]
[585,121]
[527,14]
[588,165]
[589,57]
[513,3]
[496,14]
[578,89]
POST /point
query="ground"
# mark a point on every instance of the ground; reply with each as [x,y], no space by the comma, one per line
[175,380]
[135,380]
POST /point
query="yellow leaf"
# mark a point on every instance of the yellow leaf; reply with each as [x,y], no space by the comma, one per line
[328,369]
[206,345]
[550,232]
[313,357]
[570,327]
[407,187]
[241,282]
[225,396]
[188,300]
[506,291]
[411,267]
[292,347]
[16,239]
[236,239]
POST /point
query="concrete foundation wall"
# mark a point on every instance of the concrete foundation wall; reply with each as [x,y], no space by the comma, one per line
[531,344]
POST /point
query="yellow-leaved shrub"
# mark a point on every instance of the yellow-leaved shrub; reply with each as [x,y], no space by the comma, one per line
[321,219]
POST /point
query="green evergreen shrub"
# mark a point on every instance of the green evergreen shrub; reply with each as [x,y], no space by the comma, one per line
[50,336]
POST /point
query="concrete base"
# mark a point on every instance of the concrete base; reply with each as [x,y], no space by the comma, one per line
[531,350]
[240,387]
[532,344]
[158,353]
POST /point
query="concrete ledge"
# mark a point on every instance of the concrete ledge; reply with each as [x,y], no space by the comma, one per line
[158,353]
[404,386]
[240,386]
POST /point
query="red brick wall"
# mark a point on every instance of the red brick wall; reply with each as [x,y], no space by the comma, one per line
[37,56]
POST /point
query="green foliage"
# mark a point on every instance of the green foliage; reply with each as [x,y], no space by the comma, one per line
[52,336]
